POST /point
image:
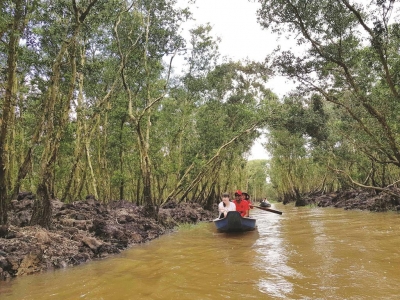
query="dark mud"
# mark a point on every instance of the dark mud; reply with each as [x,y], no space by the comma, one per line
[82,231]
[355,199]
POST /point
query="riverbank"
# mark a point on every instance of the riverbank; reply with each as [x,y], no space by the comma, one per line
[355,199]
[82,231]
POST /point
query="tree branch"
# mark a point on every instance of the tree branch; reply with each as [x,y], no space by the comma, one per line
[385,190]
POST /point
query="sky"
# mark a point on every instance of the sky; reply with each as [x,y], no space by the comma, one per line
[235,22]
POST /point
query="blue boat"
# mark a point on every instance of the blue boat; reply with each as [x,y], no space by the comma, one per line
[265,204]
[234,222]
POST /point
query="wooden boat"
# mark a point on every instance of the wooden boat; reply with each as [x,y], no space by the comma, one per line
[234,222]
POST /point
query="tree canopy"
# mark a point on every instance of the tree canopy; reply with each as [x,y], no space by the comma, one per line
[341,125]
[91,105]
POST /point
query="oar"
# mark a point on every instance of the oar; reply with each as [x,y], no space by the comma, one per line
[269,209]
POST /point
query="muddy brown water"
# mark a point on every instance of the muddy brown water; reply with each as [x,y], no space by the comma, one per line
[306,253]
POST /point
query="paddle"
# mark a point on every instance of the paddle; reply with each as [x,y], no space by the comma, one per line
[269,209]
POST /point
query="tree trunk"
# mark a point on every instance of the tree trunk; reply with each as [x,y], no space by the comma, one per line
[80,184]
[212,196]
[138,199]
[145,167]
[78,151]
[121,161]
[12,55]
[56,111]
[89,161]
[42,210]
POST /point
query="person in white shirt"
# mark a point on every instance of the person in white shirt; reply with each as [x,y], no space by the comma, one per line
[225,205]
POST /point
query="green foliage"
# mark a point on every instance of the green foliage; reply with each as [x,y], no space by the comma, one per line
[108,72]
[342,121]
[257,174]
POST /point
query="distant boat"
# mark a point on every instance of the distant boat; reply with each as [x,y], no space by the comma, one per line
[234,222]
[265,204]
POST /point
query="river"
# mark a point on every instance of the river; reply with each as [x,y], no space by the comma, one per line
[306,253]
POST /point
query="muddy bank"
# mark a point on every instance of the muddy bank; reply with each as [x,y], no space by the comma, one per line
[82,231]
[355,199]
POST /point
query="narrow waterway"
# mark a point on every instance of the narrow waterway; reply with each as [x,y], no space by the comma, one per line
[306,253]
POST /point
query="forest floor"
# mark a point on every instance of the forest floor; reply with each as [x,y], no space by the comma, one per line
[355,199]
[82,231]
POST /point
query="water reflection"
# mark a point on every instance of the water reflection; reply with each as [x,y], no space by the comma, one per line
[272,257]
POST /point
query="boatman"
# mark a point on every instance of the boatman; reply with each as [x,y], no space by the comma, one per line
[242,206]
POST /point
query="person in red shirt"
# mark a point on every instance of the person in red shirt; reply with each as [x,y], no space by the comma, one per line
[247,198]
[242,206]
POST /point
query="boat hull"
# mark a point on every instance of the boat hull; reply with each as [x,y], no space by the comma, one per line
[234,222]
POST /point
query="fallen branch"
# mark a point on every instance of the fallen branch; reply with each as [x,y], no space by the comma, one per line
[385,190]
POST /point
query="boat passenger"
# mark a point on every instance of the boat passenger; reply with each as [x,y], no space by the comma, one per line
[247,198]
[225,205]
[242,206]
[265,203]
